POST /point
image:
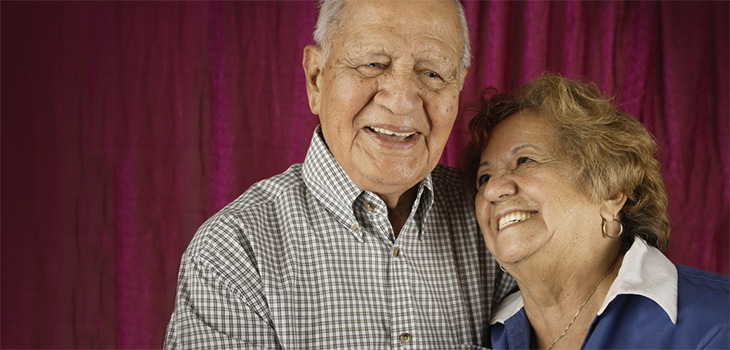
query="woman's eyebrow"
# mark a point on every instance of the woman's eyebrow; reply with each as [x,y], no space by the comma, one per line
[512,152]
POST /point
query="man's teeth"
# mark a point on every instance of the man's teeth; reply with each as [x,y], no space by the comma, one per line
[513,218]
[392,133]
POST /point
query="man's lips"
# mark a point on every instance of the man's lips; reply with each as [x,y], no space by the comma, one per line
[514,218]
[387,132]
[400,138]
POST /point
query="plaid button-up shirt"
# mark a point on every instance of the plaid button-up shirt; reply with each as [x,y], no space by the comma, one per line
[307,260]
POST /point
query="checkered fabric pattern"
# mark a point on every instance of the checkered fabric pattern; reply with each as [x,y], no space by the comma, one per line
[306,260]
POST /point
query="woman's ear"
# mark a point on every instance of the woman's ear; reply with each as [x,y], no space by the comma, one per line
[312,63]
[612,206]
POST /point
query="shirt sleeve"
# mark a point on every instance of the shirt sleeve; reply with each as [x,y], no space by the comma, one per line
[220,301]
[504,284]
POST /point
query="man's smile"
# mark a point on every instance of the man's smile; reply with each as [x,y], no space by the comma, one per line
[393,135]
[404,138]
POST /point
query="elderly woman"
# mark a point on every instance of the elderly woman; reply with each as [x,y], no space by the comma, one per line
[571,203]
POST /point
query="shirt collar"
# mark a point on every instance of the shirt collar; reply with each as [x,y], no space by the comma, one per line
[334,188]
[644,271]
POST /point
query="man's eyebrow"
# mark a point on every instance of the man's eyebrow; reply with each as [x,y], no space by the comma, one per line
[440,64]
[436,58]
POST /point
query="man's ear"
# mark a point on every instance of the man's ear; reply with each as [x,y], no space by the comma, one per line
[313,68]
[612,206]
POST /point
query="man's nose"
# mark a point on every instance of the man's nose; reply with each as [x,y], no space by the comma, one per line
[399,93]
[499,188]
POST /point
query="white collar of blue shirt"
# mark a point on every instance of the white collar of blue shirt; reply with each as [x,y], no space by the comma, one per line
[644,271]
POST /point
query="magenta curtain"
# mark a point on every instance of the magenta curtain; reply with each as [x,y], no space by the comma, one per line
[126,124]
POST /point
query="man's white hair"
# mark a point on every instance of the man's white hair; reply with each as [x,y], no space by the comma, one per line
[330,18]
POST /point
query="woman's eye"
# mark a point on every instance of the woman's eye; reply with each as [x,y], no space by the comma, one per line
[481,180]
[374,65]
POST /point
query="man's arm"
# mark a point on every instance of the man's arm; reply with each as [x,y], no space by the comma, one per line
[220,301]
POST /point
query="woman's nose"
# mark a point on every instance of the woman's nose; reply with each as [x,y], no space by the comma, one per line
[499,187]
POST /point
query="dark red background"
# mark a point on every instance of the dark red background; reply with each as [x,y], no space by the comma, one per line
[126,124]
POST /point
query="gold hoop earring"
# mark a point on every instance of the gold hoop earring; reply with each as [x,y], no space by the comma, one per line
[620,230]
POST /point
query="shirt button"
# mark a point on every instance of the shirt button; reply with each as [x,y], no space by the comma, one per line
[369,206]
[396,251]
[355,228]
[404,338]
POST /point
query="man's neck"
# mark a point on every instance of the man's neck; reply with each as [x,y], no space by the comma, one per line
[399,208]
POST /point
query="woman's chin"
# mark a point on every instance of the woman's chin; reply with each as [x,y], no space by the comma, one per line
[510,254]
[515,247]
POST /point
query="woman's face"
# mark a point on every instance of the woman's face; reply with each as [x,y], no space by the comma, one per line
[527,203]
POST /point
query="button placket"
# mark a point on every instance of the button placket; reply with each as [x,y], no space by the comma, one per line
[404,316]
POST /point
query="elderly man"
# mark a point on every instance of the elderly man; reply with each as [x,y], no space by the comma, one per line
[369,243]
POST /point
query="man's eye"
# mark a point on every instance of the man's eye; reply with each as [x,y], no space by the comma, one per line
[375,65]
[523,160]
[482,179]
[432,75]
[371,69]
[432,80]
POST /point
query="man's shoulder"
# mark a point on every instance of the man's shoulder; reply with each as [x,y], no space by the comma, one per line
[448,184]
[268,191]
[447,174]
[256,210]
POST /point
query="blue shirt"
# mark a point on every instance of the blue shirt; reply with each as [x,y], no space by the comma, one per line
[652,304]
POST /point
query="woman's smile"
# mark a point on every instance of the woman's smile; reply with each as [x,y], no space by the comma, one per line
[514,217]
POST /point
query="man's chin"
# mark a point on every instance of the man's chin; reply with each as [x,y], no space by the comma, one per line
[391,181]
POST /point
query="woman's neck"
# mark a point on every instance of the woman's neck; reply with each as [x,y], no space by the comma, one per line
[562,299]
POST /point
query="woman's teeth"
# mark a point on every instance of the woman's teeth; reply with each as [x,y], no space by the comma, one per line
[513,218]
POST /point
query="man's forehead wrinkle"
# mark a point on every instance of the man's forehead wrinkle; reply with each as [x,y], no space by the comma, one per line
[432,54]
[426,40]
[357,21]
[369,47]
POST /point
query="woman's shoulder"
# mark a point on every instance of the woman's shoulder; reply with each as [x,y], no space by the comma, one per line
[696,282]
[703,293]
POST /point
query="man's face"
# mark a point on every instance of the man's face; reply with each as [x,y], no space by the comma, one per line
[388,94]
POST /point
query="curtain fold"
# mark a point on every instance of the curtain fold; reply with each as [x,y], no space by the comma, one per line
[126,124]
